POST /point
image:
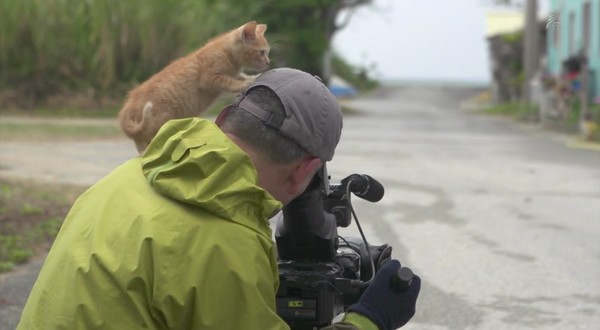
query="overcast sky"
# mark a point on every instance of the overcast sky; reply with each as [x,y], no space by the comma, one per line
[420,39]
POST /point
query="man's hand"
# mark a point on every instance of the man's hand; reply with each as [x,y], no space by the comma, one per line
[386,308]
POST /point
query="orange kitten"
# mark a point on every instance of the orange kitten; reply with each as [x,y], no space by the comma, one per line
[188,86]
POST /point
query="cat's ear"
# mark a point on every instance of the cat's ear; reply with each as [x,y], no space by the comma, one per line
[249,31]
[260,29]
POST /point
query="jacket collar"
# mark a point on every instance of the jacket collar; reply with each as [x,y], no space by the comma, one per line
[191,160]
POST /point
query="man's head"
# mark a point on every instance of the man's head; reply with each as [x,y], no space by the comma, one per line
[289,123]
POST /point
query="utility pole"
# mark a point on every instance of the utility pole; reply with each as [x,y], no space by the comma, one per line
[531,56]
[585,116]
[327,71]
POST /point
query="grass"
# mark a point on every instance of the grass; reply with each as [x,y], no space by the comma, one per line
[64,112]
[571,123]
[84,44]
[512,109]
[57,124]
[64,123]
[31,214]
[43,131]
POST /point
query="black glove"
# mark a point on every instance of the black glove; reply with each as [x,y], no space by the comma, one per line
[386,308]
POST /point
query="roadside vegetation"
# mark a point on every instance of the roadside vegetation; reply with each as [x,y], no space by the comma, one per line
[513,110]
[55,131]
[31,214]
[570,124]
[88,54]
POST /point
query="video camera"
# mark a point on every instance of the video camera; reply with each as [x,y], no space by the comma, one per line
[321,273]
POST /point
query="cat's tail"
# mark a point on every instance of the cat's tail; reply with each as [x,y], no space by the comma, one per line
[146,112]
[130,126]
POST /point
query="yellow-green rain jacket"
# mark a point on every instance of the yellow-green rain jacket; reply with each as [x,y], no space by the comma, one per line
[175,239]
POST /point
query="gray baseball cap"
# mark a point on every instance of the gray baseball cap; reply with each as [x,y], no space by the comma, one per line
[313,117]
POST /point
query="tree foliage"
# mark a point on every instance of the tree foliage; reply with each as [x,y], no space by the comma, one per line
[300,31]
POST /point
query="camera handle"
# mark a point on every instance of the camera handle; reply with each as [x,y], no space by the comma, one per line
[402,280]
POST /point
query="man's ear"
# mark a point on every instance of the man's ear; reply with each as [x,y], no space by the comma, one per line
[302,174]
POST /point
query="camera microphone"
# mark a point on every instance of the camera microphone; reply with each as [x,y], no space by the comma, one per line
[364,187]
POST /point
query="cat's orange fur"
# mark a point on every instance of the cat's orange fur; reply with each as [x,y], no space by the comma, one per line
[188,86]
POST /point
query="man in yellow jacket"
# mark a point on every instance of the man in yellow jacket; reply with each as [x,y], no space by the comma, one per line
[178,238]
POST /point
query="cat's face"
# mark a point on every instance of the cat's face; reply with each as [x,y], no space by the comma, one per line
[255,47]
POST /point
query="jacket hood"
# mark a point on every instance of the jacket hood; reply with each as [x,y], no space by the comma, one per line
[191,160]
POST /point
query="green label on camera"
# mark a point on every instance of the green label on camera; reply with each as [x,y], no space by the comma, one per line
[295,303]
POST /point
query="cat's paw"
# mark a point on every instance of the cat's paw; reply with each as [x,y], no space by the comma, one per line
[248,81]
[244,76]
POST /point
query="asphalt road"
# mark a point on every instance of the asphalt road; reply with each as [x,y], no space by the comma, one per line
[500,220]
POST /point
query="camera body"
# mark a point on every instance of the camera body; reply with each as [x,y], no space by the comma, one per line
[320,273]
